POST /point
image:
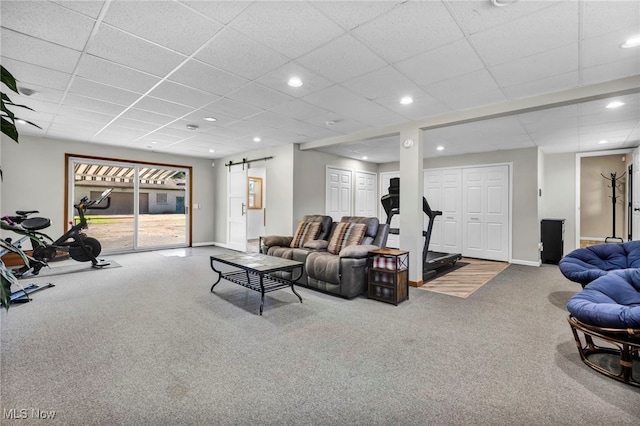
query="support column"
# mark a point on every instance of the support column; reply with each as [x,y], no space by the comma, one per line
[411,192]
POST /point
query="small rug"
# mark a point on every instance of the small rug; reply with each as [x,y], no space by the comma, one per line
[464,280]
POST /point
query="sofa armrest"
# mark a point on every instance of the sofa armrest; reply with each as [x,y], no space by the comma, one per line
[317,245]
[276,240]
[357,251]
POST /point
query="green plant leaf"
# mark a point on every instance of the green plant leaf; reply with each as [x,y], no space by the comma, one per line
[8,79]
[9,129]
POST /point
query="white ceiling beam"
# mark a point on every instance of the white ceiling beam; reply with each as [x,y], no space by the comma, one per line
[623,86]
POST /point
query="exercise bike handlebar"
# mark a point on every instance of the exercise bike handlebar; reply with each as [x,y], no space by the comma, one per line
[85,203]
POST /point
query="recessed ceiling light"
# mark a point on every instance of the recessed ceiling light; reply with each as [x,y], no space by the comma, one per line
[406,100]
[257,139]
[294,82]
[631,42]
[21,121]
[614,104]
[365,158]
[603,141]
[154,142]
[210,119]
[192,127]
[212,150]
[440,148]
[329,123]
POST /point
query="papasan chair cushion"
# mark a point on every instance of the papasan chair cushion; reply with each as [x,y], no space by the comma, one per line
[611,301]
[584,265]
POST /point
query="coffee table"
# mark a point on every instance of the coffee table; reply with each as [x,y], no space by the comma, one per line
[255,272]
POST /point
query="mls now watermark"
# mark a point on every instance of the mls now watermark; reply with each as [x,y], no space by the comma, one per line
[27,413]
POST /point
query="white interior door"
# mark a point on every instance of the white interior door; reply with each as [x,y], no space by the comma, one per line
[237,208]
[338,193]
[485,213]
[366,194]
[443,192]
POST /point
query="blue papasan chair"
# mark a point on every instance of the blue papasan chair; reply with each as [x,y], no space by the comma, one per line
[584,265]
[607,311]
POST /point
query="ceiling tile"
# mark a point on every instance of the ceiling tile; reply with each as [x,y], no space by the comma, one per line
[122,48]
[38,52]
[606,48]
[83,114]
[94,105]
[160,106]
[128,123]
[44,94]
[26,74]
[539,66]
[222,11]
[47,21]
[259,96]
[600,17]
[409,29]
[231,108]
[613,70]
[189,29]
[448,61]
[522,37]
[88,8]
[298,109]
[205,77]
[255,60]
[306,27]
[91,89]
[478,88]
[476,16]
[113,74]
[184,95]
[384,82]
[353,14]
[147,116]
[544,85]
[342,59]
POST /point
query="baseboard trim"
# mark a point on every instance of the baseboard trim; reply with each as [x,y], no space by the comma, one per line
[418,283]
[525,262]
[210,243]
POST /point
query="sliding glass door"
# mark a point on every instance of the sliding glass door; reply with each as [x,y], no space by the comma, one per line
[148,207]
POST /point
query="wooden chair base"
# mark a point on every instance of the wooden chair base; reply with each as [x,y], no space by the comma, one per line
[615,354]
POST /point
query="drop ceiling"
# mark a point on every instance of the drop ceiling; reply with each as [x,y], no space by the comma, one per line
[137,73]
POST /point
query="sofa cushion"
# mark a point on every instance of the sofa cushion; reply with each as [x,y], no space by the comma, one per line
[346,234]
[307,231]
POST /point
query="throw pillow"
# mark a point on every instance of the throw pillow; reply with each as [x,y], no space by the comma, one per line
[346,234]
[307,231]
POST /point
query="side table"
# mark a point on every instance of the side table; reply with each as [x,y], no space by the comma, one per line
[388,275]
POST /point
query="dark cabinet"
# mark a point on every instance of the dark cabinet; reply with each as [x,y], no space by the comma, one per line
[389,275]
[552,235]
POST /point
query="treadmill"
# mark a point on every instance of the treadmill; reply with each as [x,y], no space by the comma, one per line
[432,261]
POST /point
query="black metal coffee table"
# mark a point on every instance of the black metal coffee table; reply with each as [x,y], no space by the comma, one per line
[255,271]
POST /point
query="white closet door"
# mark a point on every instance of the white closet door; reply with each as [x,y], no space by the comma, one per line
[433,194]
[451,207]
[485,216]
[338,193]
[366,194]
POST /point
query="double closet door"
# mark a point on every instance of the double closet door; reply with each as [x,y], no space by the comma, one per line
[474,202]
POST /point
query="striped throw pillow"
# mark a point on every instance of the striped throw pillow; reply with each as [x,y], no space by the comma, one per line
[307,231]
[346,234]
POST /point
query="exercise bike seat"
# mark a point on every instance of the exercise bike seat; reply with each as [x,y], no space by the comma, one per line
[35,223]
[26,212]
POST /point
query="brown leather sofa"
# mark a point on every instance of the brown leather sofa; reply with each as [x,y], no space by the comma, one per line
[333,263]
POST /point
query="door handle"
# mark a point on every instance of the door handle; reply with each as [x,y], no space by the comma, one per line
[243,209]
[636,209]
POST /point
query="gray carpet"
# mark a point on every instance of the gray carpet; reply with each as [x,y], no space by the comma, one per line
[148,344]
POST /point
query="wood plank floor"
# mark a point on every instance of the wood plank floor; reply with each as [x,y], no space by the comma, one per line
[462,282]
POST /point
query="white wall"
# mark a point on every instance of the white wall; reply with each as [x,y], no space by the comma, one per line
[559,193]
[34,178]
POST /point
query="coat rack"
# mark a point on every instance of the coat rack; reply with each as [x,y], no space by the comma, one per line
[615,184]
[245,161]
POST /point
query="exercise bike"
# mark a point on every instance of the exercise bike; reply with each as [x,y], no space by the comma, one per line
[80,247]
